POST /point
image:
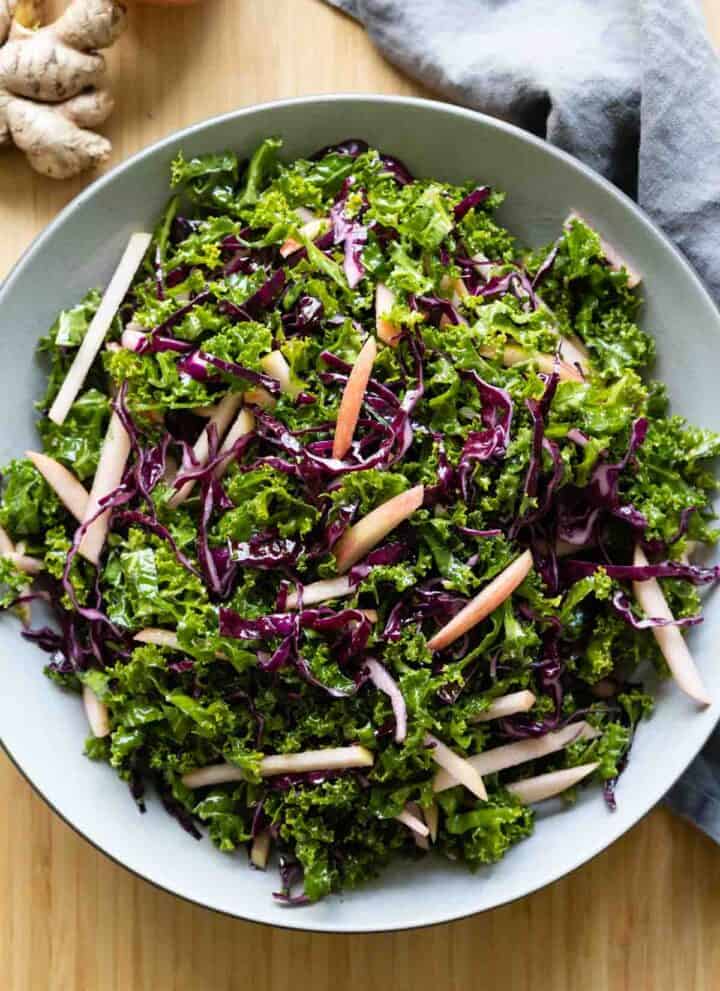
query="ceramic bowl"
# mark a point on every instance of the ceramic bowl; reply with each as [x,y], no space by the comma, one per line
[43,729]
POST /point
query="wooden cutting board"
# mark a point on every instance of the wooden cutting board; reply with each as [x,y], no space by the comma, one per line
[644,916]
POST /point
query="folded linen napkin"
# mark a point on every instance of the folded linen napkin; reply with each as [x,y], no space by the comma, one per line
[631,89]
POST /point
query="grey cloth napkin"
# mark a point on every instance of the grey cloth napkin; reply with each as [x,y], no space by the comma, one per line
[630,87]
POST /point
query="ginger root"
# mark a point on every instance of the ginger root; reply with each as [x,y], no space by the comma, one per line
[52,82]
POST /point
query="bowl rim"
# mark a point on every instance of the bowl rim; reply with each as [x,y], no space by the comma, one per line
[173,139]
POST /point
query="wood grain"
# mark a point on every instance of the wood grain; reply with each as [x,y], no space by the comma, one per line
[645,915]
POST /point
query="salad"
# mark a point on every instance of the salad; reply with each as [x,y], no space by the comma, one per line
[358,530]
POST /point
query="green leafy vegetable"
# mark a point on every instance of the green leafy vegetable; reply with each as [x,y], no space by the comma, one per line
[218,632]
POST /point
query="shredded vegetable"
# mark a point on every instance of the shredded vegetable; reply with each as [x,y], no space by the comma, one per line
[358,527]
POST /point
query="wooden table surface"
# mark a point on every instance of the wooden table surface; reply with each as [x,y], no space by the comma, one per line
[645,915]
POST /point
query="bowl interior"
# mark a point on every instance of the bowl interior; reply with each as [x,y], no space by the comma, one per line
[43,729]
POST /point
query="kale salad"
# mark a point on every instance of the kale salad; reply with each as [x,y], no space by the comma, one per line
[354,523]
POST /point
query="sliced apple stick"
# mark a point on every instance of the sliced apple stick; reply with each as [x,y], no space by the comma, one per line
[482,263]
[289,246]
[11,551]
[506,705]
[113,456]
[30,565]
[384,302]
[69,490]
[485,602]
[359,539]
[416,812]
[670,640]
[614,258]
[445,321]
[322,591]
[422,842]
[384,682]
[431,814]
[22,561]
[459,768]
[6,544]
[260,850]
[547,363]
[274,364]
[226,410]
[164,638]
[99,326]
[454,288]
[258,396]
[8,549]
[171,470]
[332,759]
[204,411]
[409,819]
[574,353]
[309,230]
[352,398]
[512,754]
[158,637]
[304,215]
[131,338]
[545,786]
[243,425]
[572,350]
[460,290]
[96,712]
[213,774]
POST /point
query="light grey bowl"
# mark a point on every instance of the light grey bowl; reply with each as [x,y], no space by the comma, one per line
[43,729]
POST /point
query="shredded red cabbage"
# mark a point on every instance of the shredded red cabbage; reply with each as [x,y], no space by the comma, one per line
[573,569]
[179,315]
[546,265]
[267,550]
[233,369]
[604,487]
[397,169]
[538,410]
[265,297]
[349,233]
[352,147]
[351,626]
[305,317]
[436,307]
[496,414]
[153,343]
[623,606]
[291,874]
[473,199]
